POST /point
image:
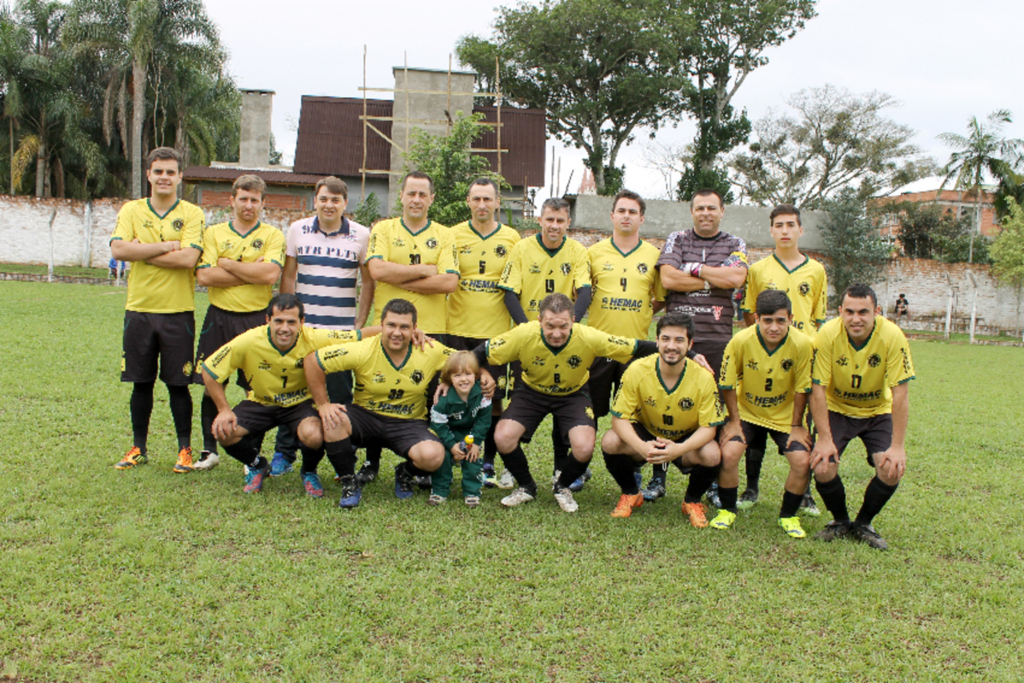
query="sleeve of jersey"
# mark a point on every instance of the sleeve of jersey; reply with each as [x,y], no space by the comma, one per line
[802,385]
[610,346]
[670,253]
[339,357]
[505,348]
[378,247]
[821,363]
[512,276]
[710,412]
[192,233]
[125,228]
[732,364]
[323,338]
[210,254]
[448,254]
[660,293]
[625,403]
[274,249]
[738,258]
[227,359]
[750,292]
[899,368]
[820,307]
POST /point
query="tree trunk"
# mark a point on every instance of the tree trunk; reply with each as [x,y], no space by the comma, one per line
[42,184]
[10,121]
[138,117]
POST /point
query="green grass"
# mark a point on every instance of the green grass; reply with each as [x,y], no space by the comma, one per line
[147,575]
[65,271]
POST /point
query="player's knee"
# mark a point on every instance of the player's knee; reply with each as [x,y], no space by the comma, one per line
[611,443]
[732,453]
[710,455]
[826,471]
[310,433]
[505,437]
[799,461]
[427,455]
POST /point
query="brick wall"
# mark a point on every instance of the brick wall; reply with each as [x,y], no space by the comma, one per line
[294,202]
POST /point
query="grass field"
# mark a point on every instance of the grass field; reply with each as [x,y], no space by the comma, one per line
[148,575]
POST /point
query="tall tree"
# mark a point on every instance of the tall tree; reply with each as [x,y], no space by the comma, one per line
[1008,251]
[981,154]
[855,250]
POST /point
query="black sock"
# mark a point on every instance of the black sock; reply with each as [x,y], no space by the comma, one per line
[515,462]
[141,406]
[876,496]
[246,452]
[181,412]
[558,445]
[808,492]
[621,467]
[700,479]
[573,470]
[490,448]
[342,456]
[790,504]
[660,474]
[373,456]
[727,497]
[414,471]
[833,495]
[754,461]
[311,458]
[207,414]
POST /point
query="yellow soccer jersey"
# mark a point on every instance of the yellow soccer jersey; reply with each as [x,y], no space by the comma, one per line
[382,387]
[434,245]
[533,271]
[276,378]
[223,241]
[152,289]
[623,287]
[859,380]
[806,286]
[477,308]
[557,371]
[766,382]
[669,413]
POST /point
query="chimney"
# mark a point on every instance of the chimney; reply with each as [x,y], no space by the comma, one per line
[254,146]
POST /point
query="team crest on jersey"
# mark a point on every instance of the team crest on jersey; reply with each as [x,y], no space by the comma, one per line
[300,363]
[787,365]
[431,243]
[535,268]
[502,382]
[842,361]
[178,224]
[641,268]
[257,244]
[752,365]
[590,412]
[874,360]
[804,289]
[500,251]
[565,268]
[264,365]
[378,378]
[685,404]
[187,370]
[575,362]
[416,376]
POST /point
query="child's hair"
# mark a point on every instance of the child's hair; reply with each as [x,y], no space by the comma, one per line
[459,362]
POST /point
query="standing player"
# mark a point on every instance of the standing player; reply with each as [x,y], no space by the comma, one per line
[549,263]
[803,279]
[476,310]
[700,268]
[162,237]
[241,261]
[666,410]
[324,259]
[861,369]
[766,376]
[271,357]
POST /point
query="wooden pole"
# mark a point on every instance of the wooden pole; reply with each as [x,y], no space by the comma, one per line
[974,302]
[949,304]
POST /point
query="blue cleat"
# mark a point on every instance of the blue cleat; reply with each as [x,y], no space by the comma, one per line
[403,483]
[279,465]
[351,494]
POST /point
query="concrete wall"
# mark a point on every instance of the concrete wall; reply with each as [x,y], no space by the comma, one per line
[254,142]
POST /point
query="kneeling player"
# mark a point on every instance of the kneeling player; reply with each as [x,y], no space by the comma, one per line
[271,358]
[666,411]
[766,376]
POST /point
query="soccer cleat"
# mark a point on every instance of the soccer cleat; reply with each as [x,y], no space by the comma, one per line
[311,482]
[517,497]
[565,500]
[351,494]
[403,483]
[747,499]
[254,479]
[507,481]
[808,506]
[490,480]
[867,534]
[472,501]
[791,525]
[366,474]
[712,496]
[436,499]
[207,461]
[723,520]
[626,503]
[655,490]
[695,511]
[184,464]
[832,531]
[133,457]
[279,465]
[423,481]
[581,481]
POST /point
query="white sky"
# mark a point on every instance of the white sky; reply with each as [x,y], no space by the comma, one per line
[944,60]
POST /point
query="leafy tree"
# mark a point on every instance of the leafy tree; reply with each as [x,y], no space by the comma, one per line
[695,177]
[856,252]
[832,139]
[448,161]
[1011,186]
[983,152]
[930,232]
[1008,251]
[369,210]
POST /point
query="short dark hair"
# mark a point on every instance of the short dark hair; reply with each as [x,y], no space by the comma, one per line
[285,302]
[707,192]
[555,204]
[485,181]
[555,303]
[249,183]
[420,175]
[398,307]
[859,291]
[163,154]
[784,210]
[334,186]
[676,319]
[771,300]
[629,194]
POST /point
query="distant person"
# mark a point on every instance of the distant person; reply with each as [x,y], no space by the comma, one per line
[162,236]
[114,265]
[902,310]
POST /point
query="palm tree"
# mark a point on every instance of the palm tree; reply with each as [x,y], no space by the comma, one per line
[982,153]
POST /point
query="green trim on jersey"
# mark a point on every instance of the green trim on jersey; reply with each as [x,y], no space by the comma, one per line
[550,253]
[765,346]
[408,353]
[661,380]
[806,260]
[166,213]
[414,234]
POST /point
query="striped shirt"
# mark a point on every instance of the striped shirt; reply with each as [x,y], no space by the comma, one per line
[328,270]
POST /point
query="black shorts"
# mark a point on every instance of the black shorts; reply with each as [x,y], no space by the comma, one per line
[220,327]
[875,432]
[394,433]
[169,337]
[605,378]
[756,437]
[529,408]
[714,352]
[498,372]
[257,418]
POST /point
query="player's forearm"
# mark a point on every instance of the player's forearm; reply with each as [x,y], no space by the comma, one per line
[515,307]
[316,380]
[435,284]
[819,411]
[697,440]
[289,275]
[732,404]
[216,391]
[900,414]
[217,277]
[748,318]
[678,281]
[657,306]
[397,273]
[136,251]
[257,273]
[724,277]
[183,259]
[366,289]
[799,406]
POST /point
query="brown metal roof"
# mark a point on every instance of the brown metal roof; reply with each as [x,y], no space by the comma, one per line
[330,139]
[193,173]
